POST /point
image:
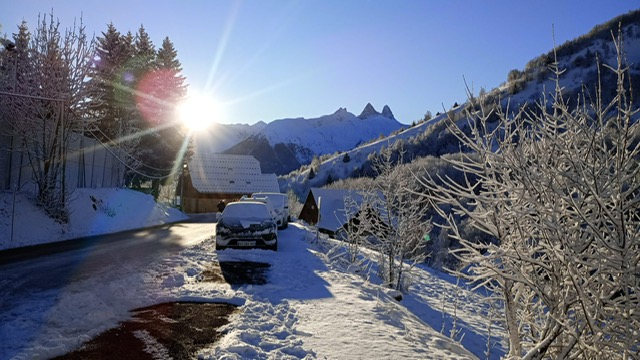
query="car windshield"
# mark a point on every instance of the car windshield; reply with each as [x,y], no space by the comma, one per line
[246,210]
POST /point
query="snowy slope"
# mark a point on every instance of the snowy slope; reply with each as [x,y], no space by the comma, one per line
[327,134]
[338,169]
[578,72]
[91,212]
[220,137]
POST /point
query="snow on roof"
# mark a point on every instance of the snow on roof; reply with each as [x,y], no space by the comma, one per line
[230,174]
[332,208]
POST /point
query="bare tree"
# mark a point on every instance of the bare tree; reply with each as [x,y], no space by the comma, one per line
[48,104]
[559,188]
[392,221]
[355,233]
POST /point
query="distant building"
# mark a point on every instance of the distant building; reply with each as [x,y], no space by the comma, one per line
[325,208]
[210,178]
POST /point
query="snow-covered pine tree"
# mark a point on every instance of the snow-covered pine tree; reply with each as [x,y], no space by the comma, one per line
[160,92]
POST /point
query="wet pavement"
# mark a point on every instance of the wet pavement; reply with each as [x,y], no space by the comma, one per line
[176,330]
[170,330]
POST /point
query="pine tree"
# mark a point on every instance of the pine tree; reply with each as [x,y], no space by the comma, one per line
[111,104]
[346,158]
[143,69]
[168,89]
[110,81]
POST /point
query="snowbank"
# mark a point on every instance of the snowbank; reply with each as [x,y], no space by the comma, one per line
[92,212]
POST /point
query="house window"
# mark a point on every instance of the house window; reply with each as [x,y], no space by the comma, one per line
[231,182]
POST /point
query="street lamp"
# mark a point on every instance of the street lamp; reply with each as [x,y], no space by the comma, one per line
[184,168]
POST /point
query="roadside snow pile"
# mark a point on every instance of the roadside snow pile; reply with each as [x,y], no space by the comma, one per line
[315,305]
[91,211]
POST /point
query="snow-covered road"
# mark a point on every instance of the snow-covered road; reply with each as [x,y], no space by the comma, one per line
[102,279]
[313,306]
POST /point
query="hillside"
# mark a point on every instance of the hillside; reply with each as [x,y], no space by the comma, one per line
[220,137]
[577,61]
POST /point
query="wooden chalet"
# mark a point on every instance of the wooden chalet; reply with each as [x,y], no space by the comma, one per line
[325,208]
[210,178]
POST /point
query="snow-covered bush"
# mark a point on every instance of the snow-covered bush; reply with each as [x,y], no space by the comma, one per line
[295,206]
[559,188]
[391,220]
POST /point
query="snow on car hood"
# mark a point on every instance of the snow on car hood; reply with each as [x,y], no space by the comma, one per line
[247,223]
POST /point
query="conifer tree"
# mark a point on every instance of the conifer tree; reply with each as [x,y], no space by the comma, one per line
[111,97]
[165,89]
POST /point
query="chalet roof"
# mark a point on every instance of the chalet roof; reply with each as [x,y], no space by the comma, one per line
[230,174]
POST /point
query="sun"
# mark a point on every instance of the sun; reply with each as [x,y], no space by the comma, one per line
[198,112]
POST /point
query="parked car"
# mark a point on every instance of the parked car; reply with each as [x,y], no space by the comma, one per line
[246,224]
[280,203]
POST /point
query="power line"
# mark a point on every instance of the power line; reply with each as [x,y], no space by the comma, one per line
[173,171]
[135,159]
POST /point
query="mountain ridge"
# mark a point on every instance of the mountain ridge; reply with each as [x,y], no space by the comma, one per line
[286,144]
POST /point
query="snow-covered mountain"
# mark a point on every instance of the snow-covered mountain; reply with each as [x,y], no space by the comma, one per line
[220,137]
[284,145]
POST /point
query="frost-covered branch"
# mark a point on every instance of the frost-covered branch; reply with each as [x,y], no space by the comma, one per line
[558,187]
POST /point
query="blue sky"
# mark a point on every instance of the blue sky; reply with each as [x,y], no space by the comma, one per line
[268,59]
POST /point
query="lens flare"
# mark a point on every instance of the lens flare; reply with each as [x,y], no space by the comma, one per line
[198,112]
[156,94]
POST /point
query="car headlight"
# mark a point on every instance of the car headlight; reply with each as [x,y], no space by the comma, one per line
[221,229]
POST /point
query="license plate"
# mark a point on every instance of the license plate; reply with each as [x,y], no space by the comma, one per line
[246,243]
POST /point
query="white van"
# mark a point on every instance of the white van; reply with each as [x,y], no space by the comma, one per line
[280,203]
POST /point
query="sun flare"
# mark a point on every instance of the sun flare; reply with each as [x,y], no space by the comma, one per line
[199,112]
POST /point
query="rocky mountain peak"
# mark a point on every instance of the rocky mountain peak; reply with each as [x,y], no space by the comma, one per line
[368,111]
[386,112]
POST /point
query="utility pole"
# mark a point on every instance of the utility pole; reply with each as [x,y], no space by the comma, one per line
[11,47]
